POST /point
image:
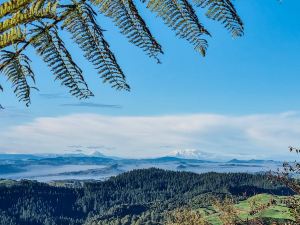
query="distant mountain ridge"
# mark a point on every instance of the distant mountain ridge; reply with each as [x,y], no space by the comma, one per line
[98,166]
[256,161]
[6,156]
[177,155]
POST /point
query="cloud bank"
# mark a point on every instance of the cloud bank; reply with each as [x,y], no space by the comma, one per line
[248,136]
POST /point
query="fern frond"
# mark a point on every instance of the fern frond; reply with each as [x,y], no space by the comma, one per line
[33,13]
[1,89]
[13,36]
[88,35]
[127,18]
[35,23]
[181,17]
[18,70]
[224,12]
[12,6]
[50,46]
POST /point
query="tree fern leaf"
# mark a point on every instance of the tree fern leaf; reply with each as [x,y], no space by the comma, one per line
[1,89]
[88,35]
[18,70]
[50,46]
[13,6]
[181,17]
[33,13]
[224,12]
[131,24]
[13,36]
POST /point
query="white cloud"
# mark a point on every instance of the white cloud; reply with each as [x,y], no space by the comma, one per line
[249,136]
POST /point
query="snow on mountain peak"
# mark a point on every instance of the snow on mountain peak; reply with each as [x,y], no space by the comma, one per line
[96,154]
[191,154]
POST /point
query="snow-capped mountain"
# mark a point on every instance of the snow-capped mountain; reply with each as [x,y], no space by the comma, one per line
[191,154]
[96,154]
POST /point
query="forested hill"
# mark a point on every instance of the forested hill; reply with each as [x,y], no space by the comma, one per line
[130,198]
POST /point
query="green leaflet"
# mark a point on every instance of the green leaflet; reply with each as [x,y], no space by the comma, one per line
[12,6]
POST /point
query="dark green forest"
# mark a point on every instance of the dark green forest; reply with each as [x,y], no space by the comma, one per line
[137,197]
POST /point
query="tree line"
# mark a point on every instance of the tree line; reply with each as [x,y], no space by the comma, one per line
[137,197]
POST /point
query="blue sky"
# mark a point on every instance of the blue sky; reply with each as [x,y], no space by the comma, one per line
[256,76]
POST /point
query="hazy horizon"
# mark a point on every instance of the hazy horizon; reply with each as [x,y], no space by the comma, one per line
[240,101]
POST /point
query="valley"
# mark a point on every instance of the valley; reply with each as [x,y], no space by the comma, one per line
[83,167]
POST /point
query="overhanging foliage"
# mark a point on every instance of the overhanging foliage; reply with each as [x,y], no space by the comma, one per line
[36,23]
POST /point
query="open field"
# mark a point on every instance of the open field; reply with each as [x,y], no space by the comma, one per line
[269,207]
